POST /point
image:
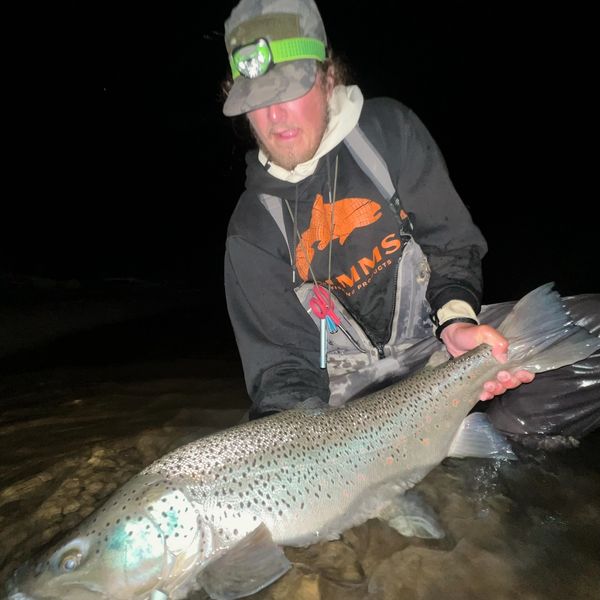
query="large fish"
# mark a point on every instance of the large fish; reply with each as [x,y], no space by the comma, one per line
[216,512]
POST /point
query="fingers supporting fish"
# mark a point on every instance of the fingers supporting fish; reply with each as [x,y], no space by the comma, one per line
[505,381]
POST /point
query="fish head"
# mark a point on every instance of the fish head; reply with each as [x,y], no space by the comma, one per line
[146,537]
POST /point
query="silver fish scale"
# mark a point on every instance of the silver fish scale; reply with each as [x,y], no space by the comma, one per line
[300,467]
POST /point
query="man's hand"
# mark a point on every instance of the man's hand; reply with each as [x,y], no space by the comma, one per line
[461,337]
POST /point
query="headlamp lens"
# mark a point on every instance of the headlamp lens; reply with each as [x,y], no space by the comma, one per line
[254,59]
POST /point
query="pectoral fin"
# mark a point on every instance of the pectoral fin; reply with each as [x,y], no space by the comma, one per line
[411,516]
[249,566]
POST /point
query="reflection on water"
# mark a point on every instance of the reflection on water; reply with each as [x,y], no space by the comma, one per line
[69,437]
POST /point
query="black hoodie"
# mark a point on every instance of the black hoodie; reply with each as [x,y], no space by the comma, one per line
[276,337]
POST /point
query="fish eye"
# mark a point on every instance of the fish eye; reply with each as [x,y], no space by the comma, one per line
[69,557]
[69,562]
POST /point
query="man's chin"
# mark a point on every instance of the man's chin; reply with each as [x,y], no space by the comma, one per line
[290,160]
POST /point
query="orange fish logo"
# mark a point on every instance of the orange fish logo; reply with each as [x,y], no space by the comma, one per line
[348,214]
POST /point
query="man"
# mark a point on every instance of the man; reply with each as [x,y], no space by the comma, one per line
[339,281]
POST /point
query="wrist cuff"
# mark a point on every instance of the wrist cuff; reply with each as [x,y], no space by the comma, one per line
[454,308]
[445,324]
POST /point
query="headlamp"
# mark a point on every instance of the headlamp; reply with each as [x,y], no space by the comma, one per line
[255,59]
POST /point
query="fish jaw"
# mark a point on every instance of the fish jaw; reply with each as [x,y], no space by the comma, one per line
[146,535]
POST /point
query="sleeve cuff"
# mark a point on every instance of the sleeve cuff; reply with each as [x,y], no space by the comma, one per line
[455,309]
[438,331]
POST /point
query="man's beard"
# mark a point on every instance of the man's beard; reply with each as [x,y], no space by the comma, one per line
[289,161]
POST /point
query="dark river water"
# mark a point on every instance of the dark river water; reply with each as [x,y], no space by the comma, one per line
[81,415]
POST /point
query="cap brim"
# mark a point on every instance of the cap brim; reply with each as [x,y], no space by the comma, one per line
[282,83]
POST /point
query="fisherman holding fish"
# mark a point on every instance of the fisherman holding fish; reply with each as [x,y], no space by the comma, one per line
[351,260]
[350,256]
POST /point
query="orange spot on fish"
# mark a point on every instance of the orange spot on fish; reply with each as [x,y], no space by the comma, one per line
[425,441]
[389,460]
[455,402]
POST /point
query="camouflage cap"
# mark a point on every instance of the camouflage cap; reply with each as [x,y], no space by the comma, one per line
[272,20]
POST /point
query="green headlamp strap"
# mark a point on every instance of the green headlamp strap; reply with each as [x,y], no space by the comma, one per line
[255,59]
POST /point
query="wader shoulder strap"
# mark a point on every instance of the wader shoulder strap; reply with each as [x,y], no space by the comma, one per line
[372,163]
[274,207]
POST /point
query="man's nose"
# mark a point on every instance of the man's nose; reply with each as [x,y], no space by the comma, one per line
[276,113]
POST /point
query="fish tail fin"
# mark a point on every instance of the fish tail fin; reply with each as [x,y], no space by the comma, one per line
[541,334]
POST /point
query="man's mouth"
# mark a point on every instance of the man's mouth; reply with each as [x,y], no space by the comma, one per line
[286,134]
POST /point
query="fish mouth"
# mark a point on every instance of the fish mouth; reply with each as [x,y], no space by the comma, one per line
[14,591]
[10,588]
[18,595]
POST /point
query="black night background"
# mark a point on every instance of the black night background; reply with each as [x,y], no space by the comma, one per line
[121,168]
[122,164]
